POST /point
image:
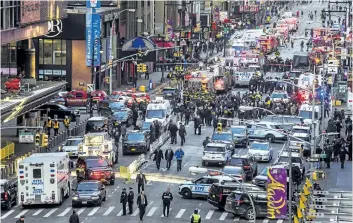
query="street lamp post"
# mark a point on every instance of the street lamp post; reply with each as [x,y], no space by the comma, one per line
[111,48]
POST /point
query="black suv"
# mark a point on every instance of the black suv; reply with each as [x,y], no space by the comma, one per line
[8,193]
[219,192]
[239,203]
[248,164]
[94,168]
[136,142]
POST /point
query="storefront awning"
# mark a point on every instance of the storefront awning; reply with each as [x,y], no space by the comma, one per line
[160,44]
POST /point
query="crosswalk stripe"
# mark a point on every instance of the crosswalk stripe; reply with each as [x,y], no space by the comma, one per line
[180,213]
[110,209]
[120,213]
[162,216]
[223,216]
[64,212]
[38,212]
[50,213]
[80,211]
[151,212]
[280,221]
[22,213]
[237,219]
[265,220]
[209,214]
[7,214]
[136,212]
[93,211]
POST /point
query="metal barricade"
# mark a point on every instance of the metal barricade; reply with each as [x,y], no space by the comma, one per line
[125,173]
[7,151]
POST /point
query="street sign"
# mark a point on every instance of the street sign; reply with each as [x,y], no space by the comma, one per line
[90,88]
[26,136]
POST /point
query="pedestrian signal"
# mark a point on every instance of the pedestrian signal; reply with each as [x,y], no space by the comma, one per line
[219,127]
[44,142]
[38,139]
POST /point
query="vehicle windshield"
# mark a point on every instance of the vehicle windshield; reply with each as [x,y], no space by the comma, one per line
[223,137]
[120,114]
[278,95]
[307,114]
[116,105]
[238,130]
[214,149]
[271,119]
[264,172]
[87,187]
[236,161]
[135,137]
[94,125]
[146,125]
[259,146]
[92,163]
[156,114]
[294,120]
[73,142]
[306,131]
[168,91]
[232,170]
[285,159]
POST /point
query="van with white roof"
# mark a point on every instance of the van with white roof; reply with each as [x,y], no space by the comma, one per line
[306,111]
[159,110]
[44,178]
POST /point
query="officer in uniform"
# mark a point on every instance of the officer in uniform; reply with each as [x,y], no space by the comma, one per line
[195,217]
[167,197]
[123,200]
[49,125]
[56,127]
[80,172]
[67,123]
[130,199]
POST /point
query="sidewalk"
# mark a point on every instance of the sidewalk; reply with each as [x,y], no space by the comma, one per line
[337,178]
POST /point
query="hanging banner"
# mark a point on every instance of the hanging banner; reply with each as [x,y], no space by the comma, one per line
[93,3]
[93,34]
[169,35]
[216,14]
[277,193]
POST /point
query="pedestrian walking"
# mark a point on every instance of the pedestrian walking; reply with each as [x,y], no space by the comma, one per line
[342,156]
[141,181]
[123,200]
[158,156]
[56,126]
[173,129]
[66,123]
[168,155]
[130,199]
[48,125]
[123,132]
[167,197]
[182,133]
[195,217]
[22,219]
[74,217]
[142,204]
[179,154]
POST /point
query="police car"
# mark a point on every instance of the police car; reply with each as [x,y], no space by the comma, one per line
[278,96]
[300,129]
[200,187]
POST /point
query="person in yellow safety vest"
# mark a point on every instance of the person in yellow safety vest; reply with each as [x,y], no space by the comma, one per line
[56,126]
[67,123]
[196,218]
[48,125]
[258,98]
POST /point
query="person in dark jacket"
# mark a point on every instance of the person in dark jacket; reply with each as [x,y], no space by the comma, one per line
[168,155]
[74,217]
[187,116]
[141,180]
[182,133]
[342,156]
[22,219]
[130,199]
[158,156]
[142,204]
[173,129]
[206,141]
[197,125]
[123,200]
[167,197]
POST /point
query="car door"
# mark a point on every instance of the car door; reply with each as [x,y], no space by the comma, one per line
[261,205]
[259,132]
[13,191]
[201,186]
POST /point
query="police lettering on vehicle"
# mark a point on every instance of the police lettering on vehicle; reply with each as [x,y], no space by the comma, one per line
[37,182]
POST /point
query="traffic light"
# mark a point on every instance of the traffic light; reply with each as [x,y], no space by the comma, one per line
[214,26]
[219,127]
[139,67]
[44,142]
[139,53]
[144,68]
[38,141]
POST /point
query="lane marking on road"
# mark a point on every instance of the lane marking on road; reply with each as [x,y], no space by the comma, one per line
[110,209]
[7,214]
[209,214]
[223,216]
[151,212]
[162,216]
[280,221]
[93,211]
[150,203]
[186,164]
[149,182]
[64,212]
[265,220]
[237,219]
[81,210]
[136,212]
[120,213]
[180,213]
[38,212]
[22,213]
[50,213]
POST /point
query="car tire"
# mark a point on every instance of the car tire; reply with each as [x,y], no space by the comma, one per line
[15,201]
[112,182]
[186,193]
[105,197]
[203,163]
[270,138]
[8,206]
[250,214]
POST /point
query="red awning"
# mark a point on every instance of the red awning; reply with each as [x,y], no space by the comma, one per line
[166,44]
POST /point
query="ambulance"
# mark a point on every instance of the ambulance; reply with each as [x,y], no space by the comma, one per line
[99,144]
[159,110]
[306,111]
[44,178]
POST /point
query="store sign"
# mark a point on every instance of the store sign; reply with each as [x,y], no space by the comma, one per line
[248,8]
[93,38]
[55,27]
[53,72]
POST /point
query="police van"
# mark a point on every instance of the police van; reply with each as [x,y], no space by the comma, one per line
[159,110]
[44,178]
[216,153]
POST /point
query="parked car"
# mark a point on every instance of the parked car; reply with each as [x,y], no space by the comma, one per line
[136,142]
[225,137]
[8,193]
[262,130]
[240,134]
[236,172]
[261,151]
[94,168]
[261,179]
[58,109]
[247,162]
[123,116]
[91,192]
[71,146]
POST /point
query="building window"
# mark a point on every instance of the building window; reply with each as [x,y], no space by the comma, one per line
[63,52]
[9,59]
[57,51]
[52,52]
[48,51]
[41,53]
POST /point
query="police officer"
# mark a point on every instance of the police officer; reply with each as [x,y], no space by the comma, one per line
[74,217]
[195,218]
[123,200]
[167,197]
[49,125]
[56,126]
[22,219]
[130,199]
[66,123]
